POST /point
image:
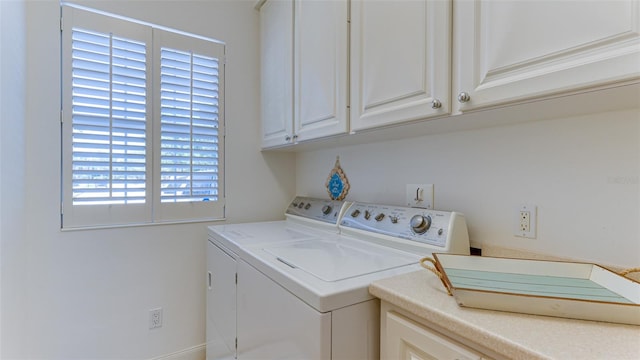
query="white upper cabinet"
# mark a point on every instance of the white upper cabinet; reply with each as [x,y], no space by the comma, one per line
[276,86]
[333,66]
[400,61]
[511,51]
[304,74]
[321,74]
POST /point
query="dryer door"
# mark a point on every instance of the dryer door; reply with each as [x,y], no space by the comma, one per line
[221,304]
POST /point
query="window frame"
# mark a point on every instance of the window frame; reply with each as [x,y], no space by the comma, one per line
[153,211]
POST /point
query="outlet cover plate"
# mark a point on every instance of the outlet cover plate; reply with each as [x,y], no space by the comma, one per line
[532,211]
[419,196]
[155,318]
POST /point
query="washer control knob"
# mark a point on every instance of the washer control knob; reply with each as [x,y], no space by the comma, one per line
[420,224]
[355,213]
[326,209]
[379,217]
[394,219]
[301,205]
[367,214]
[306,207]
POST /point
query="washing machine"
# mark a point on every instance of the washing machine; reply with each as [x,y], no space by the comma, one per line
[298,288]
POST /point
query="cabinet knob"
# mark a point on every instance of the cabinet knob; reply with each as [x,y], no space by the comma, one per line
[436,104]
[463,97]
[287,138]
[295,137]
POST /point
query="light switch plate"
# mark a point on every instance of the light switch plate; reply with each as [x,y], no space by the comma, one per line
[419,196]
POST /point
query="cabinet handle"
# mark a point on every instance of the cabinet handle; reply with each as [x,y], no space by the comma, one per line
[463,97]
[436,104]
[210,279]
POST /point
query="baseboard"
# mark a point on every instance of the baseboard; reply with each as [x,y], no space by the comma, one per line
[197,352]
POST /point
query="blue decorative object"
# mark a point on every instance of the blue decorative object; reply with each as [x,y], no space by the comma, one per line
[337,183]
[335,186]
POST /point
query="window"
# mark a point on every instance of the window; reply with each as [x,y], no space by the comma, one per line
[142,123]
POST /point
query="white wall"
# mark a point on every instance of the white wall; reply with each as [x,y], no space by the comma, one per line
[583,173]
[2,30]
[85,294]
[12,169]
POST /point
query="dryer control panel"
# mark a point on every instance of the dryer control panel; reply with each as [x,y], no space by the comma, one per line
[328,211]
[443,231]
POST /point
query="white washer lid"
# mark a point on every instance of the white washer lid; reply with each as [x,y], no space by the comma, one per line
[334,260]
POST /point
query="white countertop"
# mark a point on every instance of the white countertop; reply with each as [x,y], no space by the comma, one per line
[512,335]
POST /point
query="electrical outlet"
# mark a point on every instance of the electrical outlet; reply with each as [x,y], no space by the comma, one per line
[155,318]
[419,196]
[525,224]
[525,221]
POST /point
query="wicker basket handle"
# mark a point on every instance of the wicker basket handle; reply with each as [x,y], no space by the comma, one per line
[629,271]
[435,271]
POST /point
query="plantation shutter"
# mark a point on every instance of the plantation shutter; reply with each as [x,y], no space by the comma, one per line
[189,126]
[190,137]
[106,123]
[108,117]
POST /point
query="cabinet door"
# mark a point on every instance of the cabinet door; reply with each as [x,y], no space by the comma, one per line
[320,60]
[276,87]
[509,51]
[407,340]
[221,304]
[400,61]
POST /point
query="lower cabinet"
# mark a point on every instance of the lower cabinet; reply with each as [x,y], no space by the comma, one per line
[404,338]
